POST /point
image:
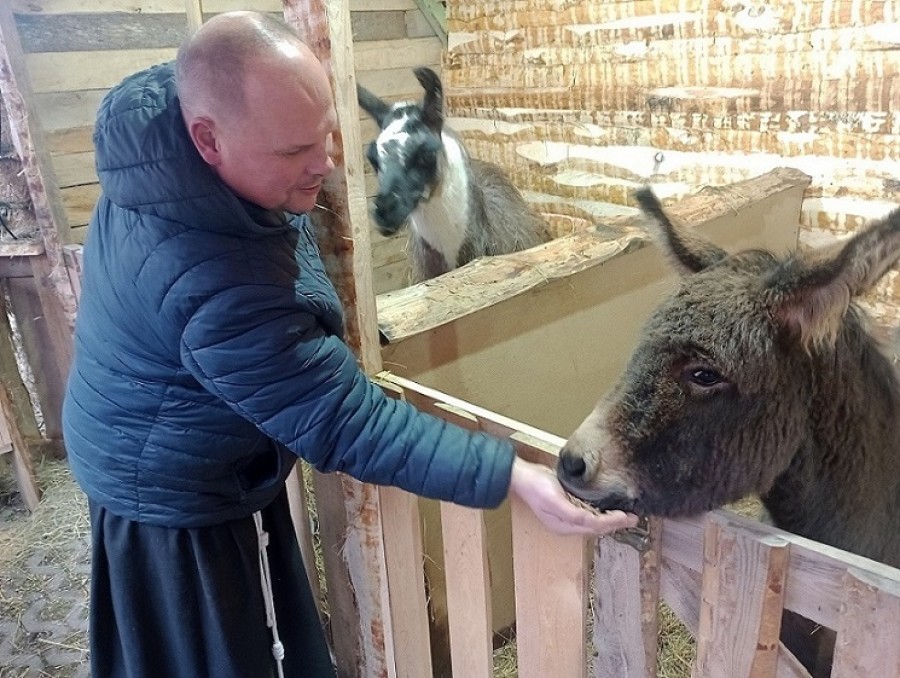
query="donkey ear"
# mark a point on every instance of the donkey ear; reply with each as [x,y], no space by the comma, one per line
[433,106]
[373,105]
[809,299]
[688,252]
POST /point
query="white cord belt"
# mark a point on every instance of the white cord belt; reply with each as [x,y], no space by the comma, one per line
[265,577]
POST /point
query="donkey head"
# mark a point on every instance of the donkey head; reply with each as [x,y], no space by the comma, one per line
[407,153]
[727,381]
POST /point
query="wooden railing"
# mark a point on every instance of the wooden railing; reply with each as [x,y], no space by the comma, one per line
[726,577]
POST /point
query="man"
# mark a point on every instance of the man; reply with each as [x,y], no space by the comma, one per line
[208,357]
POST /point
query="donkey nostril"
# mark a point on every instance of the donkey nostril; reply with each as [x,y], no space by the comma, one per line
[572,464]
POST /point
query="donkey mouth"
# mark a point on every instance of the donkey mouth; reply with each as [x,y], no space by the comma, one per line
[610,499]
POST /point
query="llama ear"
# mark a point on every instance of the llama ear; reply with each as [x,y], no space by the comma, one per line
[373,105]
[688,252]
[808,299]
[433,106]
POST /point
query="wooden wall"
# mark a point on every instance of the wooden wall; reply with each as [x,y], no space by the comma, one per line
[577,97]
[75,50]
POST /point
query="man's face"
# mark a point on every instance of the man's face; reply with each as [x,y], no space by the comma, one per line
[278,153]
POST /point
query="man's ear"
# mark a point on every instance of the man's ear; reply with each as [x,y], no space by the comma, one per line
[202,131]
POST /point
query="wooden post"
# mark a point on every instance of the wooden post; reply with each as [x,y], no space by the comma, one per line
[626,592]
[15,408]
[349,512]
[53,311]
[194,10]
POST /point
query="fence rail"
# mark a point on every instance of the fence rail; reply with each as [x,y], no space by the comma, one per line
[726,577]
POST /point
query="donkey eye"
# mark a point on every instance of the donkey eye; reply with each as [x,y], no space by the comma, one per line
[705,377]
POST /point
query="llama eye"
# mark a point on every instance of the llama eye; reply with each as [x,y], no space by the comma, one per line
[426,158]
[705,377]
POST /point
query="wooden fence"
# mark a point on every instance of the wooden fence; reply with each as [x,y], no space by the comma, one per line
[726,577]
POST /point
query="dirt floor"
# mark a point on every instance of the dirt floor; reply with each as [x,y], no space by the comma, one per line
[44,574]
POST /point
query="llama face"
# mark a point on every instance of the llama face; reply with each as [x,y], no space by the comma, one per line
[406,156]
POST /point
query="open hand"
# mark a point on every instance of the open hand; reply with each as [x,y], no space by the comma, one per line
[538,487]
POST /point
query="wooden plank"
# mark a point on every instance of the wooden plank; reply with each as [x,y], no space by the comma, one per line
[551,574]
[75,169]
[626,601]
[79,202]
[468,590]
[380,55]
[404,558]
[406,582]
[394,83]
[363,624]
[298,500]
[533,444]
[70,140]
[467,573]
[16,410]
[194,11]
[45,327]
[435,14]
[76,71]
[368,26]
[680,589]
[73,256]
[417,26]
[57,304]
[99,31]
[63,111]
[868,640]
[381,5]
[96,6]
[741,602]
[814,582]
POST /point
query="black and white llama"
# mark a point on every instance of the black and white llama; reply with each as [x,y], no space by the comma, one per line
[458,208]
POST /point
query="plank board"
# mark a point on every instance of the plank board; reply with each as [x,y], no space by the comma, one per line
[101,32]
[76,71]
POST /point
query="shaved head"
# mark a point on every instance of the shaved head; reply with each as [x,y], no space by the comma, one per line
[258,107]
[213,64]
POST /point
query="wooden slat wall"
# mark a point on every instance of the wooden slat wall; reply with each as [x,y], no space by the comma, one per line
[77,49]
[576,97]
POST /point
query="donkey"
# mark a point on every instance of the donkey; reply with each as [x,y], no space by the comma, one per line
[458,208]
[759,375]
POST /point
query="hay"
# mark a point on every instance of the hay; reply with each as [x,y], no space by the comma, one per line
[60,519]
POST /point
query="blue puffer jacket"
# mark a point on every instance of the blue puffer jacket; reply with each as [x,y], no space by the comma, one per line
[208,347]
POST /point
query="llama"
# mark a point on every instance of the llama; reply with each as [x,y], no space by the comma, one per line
[458,208]
[758,375]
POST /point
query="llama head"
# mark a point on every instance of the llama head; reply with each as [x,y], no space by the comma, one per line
[407,153]
[754,359]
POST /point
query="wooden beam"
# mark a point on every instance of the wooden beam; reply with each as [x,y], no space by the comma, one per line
[551,574]
[436,15]
[349,512]
[194,9]
[16,409]
[18,100]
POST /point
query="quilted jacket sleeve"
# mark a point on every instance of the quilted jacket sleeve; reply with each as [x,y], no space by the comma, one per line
[274,364]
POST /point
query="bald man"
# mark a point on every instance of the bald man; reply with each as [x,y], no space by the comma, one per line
[209,357]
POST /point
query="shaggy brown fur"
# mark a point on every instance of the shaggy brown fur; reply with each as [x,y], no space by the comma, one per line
[757,376]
